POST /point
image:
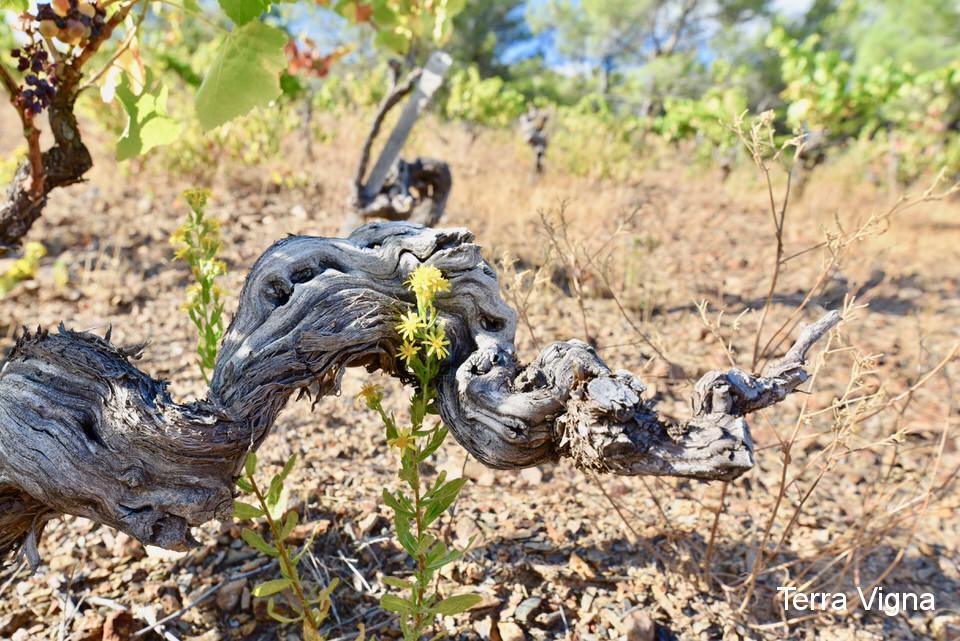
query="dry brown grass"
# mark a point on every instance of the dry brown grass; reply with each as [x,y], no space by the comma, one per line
[668,276]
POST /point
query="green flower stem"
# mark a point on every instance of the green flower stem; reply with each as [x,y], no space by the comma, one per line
[289,568]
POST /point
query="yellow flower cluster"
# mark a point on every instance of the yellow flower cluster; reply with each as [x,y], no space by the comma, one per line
[421,329]
[426,281]
[371,395]
[404,439]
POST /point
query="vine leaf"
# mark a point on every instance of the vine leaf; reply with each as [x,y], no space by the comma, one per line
[243,11]
[148,125]
[15,5]
[245,74]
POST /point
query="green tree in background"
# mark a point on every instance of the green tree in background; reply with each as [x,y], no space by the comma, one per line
[612,35]
[484,30]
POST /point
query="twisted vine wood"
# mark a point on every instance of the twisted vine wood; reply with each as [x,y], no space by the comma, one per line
[84,432]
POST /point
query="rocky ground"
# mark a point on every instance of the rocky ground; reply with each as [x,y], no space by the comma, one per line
[558,554]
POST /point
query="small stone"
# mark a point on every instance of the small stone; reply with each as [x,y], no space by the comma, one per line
[527,609]
[639,625]
[118,626]
[165,555]
[465,530]
[169,603]
[532,475]
[228,598]
[510,631]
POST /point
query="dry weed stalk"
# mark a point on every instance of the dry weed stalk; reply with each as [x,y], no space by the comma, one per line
[581,263]
[847,435]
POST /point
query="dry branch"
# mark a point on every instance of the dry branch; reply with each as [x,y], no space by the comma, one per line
[82,431]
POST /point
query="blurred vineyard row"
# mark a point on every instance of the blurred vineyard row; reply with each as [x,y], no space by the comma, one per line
[891,118]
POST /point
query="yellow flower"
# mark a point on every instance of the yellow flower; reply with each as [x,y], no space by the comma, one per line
[404,439]
[370,394]
[426,281]
[436,343]
[408,326]
[408,351]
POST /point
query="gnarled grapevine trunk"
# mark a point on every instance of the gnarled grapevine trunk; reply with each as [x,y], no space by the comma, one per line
[82,431]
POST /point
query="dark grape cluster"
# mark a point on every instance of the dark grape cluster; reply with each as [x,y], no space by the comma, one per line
[40,80]
[70,21]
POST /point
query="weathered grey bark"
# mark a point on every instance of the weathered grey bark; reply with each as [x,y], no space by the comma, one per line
[415,192]
[431,78]
[82,431]
[396,189]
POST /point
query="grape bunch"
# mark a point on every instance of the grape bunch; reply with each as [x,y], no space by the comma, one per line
[70,21]
[40,80]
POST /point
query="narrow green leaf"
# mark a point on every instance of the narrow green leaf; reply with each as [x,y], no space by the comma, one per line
[450,557]
[243,511]
[442,499]
[306,546]
[400,584]
[291,522]
[250,464]
[393,603]
[244,485]
[457,604]
[270,587]
[435,442]
[394,503]
[404,535]
[287,468]
[256,541]
[245,73]
[272,612]
[273,494]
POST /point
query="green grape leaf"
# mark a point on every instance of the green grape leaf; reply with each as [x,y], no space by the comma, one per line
[395,604]
[457,604]
[256,541]
[392,41]
[19,6]
[148,125]
[244,511]
[243,11]
[270,587]
[245,74]
[383,15]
